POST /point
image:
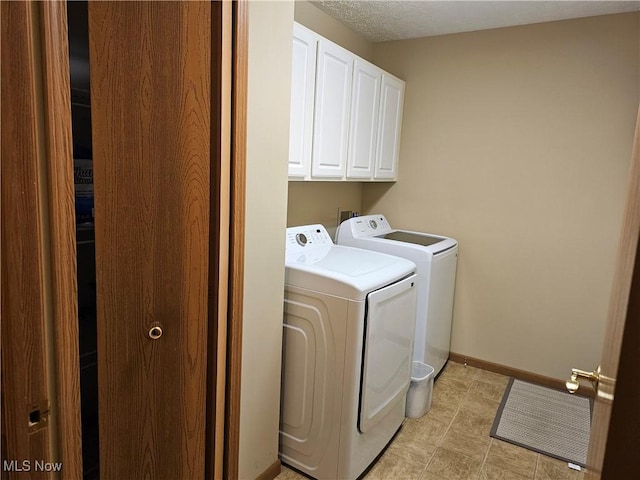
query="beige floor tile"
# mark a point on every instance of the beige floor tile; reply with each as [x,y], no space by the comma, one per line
[422,432]
[474,446]
[443,411]
[458,385]
[512,458]
[452,465]
[394,467]
[476,401]
[447,396]
[288,474]
[491,472]
[494,378]
[459,371]
[490,391]
[474,419]
[426,475]
[411,451]
[551,469]
[451,389]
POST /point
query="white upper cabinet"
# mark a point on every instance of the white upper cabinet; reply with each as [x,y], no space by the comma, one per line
[303,79]
[363,129]
[331,120]
[346,114]
[391,102]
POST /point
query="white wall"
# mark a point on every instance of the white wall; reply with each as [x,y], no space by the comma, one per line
[269,85]
[516,142]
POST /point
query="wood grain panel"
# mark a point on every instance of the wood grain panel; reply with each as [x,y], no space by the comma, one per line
[62,239]
[221,49]
[150,97]
[24,380]
[236,254]
[620,460]
[618,381]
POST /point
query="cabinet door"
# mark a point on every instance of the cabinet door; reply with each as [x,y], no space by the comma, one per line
[303,73]
[391,102]
[363,128]
[333,101]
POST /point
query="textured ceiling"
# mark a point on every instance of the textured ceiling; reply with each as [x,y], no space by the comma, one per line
[380,20]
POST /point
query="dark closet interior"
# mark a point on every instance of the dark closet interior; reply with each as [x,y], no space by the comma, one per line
[86,270]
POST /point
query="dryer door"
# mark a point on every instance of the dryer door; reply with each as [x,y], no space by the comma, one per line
[388,350]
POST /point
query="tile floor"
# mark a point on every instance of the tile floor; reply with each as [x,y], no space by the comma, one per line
[452,441]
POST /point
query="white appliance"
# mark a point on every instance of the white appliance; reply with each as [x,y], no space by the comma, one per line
[436,258]
[346,354]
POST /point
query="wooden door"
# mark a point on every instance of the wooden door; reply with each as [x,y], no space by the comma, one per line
[331,116]
[616,418]
[150,97]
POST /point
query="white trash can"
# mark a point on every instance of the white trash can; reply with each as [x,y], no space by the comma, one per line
[420,390]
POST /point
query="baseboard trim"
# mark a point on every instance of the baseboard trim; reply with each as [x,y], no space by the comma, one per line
[272,472]
[550,382]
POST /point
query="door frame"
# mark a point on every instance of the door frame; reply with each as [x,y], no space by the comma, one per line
[46,61]
[43,344]
[226,286]
[238,142]
[62,239]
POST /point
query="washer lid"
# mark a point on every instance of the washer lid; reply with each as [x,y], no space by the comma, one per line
[335,269]
[374,232]
[411,237]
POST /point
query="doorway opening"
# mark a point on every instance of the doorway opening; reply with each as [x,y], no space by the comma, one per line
[78,29]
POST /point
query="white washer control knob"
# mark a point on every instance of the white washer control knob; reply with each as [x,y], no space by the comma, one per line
[373,224]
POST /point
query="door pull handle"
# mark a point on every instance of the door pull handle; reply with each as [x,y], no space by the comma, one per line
[574,383]
[155,332]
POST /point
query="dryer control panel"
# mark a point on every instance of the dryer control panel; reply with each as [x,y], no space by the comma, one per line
[307,244]
[367,226]
[307,237]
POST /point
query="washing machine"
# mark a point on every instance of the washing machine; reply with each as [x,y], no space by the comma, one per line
[346,357]
[436,258]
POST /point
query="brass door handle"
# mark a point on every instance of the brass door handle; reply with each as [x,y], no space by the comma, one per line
[574,383]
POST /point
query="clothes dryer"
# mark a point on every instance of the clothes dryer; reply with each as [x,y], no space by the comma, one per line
[346,356]
[436,259]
